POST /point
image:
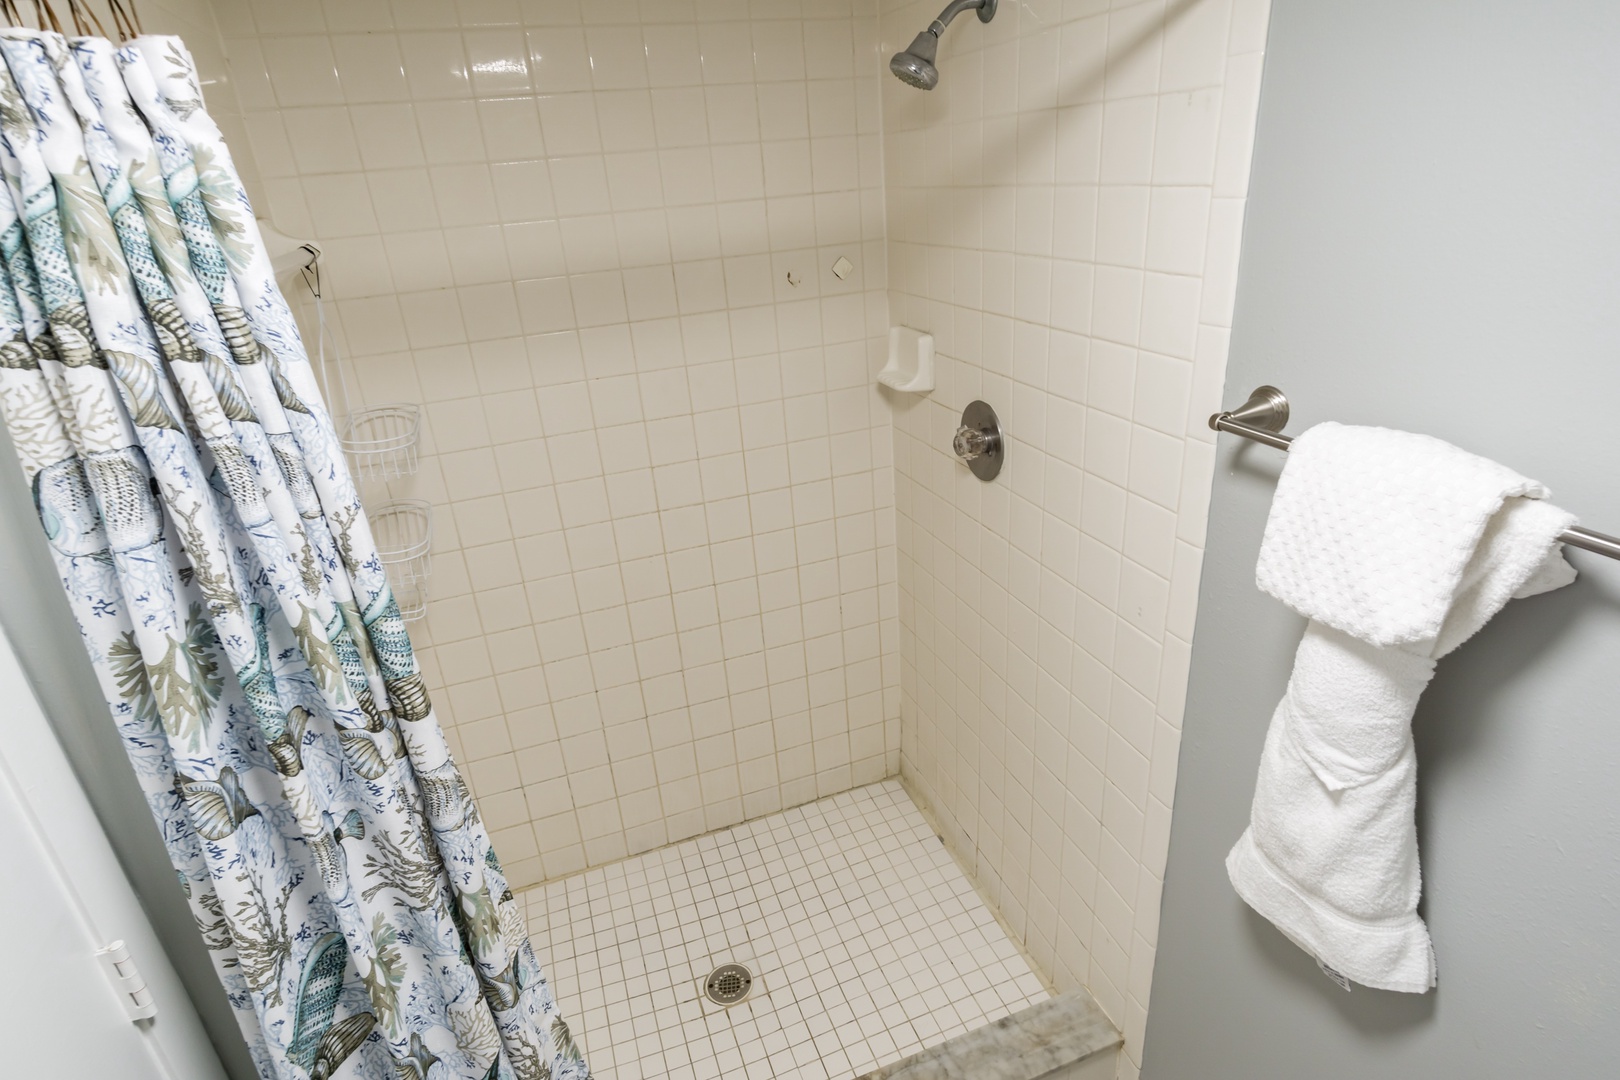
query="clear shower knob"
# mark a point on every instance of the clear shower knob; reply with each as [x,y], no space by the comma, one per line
[978,441]
[971,443]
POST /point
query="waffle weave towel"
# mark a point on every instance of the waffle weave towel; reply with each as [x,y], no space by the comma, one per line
[1398,548]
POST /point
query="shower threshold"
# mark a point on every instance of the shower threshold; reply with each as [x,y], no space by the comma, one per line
[866,942]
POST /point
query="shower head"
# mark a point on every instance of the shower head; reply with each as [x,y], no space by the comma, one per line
[915,66]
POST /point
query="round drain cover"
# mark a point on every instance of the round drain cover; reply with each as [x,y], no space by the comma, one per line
[728,984]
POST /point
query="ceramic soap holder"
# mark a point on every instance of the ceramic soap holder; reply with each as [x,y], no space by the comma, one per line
[911,361]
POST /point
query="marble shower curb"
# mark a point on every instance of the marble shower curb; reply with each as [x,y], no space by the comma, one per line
[1030,1044]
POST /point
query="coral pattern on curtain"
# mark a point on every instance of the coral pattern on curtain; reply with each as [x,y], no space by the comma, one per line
[214,551]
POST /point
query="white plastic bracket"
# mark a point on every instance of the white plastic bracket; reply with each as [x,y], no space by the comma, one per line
[127,982]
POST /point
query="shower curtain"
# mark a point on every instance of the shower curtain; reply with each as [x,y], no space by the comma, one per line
[214,551]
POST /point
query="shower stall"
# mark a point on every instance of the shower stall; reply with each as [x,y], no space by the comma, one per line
[806,750]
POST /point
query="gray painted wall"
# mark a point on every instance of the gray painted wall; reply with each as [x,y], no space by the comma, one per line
[1433,243]
[41,628]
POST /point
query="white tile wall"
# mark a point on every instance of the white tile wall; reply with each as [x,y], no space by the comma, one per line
[663,587]
[1064,216]
[866,940]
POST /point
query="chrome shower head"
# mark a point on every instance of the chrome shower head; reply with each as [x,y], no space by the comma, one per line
[915,66]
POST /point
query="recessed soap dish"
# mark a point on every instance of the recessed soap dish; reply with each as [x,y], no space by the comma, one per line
[911,361]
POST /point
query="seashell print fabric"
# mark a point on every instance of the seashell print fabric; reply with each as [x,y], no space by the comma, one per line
[215,553]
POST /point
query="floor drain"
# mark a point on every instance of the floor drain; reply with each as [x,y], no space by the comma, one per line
[728,984]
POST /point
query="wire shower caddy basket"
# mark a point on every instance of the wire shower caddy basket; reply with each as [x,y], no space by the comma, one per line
[403,530]
[381,443]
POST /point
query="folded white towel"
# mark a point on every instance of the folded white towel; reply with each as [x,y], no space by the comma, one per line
[1399,548]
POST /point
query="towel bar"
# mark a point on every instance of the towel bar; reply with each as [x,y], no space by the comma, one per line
[1262,418]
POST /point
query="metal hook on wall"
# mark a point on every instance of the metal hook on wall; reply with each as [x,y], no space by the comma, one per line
[312,271]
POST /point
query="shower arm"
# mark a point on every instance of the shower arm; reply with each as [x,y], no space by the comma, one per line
[985,8]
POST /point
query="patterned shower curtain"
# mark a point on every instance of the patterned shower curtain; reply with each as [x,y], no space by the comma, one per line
[215,553]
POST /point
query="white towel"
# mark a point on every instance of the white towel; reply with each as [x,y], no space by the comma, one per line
[1399,548]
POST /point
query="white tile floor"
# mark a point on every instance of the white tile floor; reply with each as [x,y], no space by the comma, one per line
[866,940]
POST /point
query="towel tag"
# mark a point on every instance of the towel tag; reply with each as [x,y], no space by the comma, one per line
[1342,981]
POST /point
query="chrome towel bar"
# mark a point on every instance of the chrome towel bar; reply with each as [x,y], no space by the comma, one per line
[1262,418]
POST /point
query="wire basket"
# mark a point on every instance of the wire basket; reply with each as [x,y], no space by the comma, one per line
[381,441]
[403,530]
